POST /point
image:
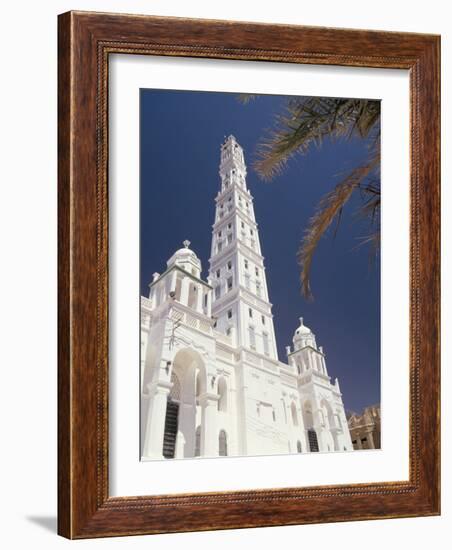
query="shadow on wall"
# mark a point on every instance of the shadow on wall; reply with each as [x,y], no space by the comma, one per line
[49,523]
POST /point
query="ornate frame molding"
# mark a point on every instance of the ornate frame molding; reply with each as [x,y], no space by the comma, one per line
[86,40]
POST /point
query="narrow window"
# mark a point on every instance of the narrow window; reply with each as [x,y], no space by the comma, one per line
[246,264]
[293,410]
[247,281]
[251,232]
[252,337]
[229,225]
[266,343]
[299,447]
[229,283]
[250,313]
[257,272]
[229,266]
[222,395]
[218,273]
[263,320]
[198,441]
[230,314]
[223,443]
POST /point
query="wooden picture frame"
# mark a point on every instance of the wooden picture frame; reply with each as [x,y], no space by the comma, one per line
[86,40]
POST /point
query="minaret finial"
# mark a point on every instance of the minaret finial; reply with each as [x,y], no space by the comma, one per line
[301,320]
[186,243]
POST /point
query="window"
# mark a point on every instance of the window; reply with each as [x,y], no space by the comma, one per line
[252,337]
[229,225]
[299,447]
[217,292]
[266,343]
[263,320]
[251,232]
[222,395]
[293,410]
[257,272]
[274,416]
[218,273]
[247,281]
[229,283]
[219,233]
[246,264]
[229,266]
[250,313]
[228,331]
[242,224]
[230,314]
[198,441]
[223,443]
[230,198]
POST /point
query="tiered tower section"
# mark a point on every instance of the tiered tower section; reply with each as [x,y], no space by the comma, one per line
[240,301]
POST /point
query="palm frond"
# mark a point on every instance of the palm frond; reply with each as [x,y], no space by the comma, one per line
[246,98]
[306,122]
[329,208]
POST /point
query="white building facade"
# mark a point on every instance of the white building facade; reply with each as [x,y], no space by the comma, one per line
[211,381]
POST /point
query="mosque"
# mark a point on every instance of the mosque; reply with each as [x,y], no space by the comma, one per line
[211,381]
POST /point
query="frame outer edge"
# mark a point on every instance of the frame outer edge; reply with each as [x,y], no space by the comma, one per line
[82,511]
[64,277]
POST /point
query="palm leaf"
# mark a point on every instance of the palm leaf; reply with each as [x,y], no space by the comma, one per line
[306,122]
[329,208]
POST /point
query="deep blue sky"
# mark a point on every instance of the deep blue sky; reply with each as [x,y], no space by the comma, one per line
[181,134]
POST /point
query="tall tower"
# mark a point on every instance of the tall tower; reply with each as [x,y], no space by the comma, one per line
[240,301]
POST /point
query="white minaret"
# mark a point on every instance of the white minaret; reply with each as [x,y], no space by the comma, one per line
[237,273]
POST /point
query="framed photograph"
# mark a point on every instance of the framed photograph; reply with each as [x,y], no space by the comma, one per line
[248,275]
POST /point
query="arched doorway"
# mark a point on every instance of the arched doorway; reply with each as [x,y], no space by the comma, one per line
[172,418]
[313,441]
[308,420]
[183,414]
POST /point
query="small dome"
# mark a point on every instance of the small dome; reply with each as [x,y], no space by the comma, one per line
[185,258]
[302,330]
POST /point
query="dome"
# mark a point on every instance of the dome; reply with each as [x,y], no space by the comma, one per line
[302,330]
[187,259]
[303,336]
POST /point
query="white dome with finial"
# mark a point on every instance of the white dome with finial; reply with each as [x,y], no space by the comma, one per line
[303,336]
[186,259]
